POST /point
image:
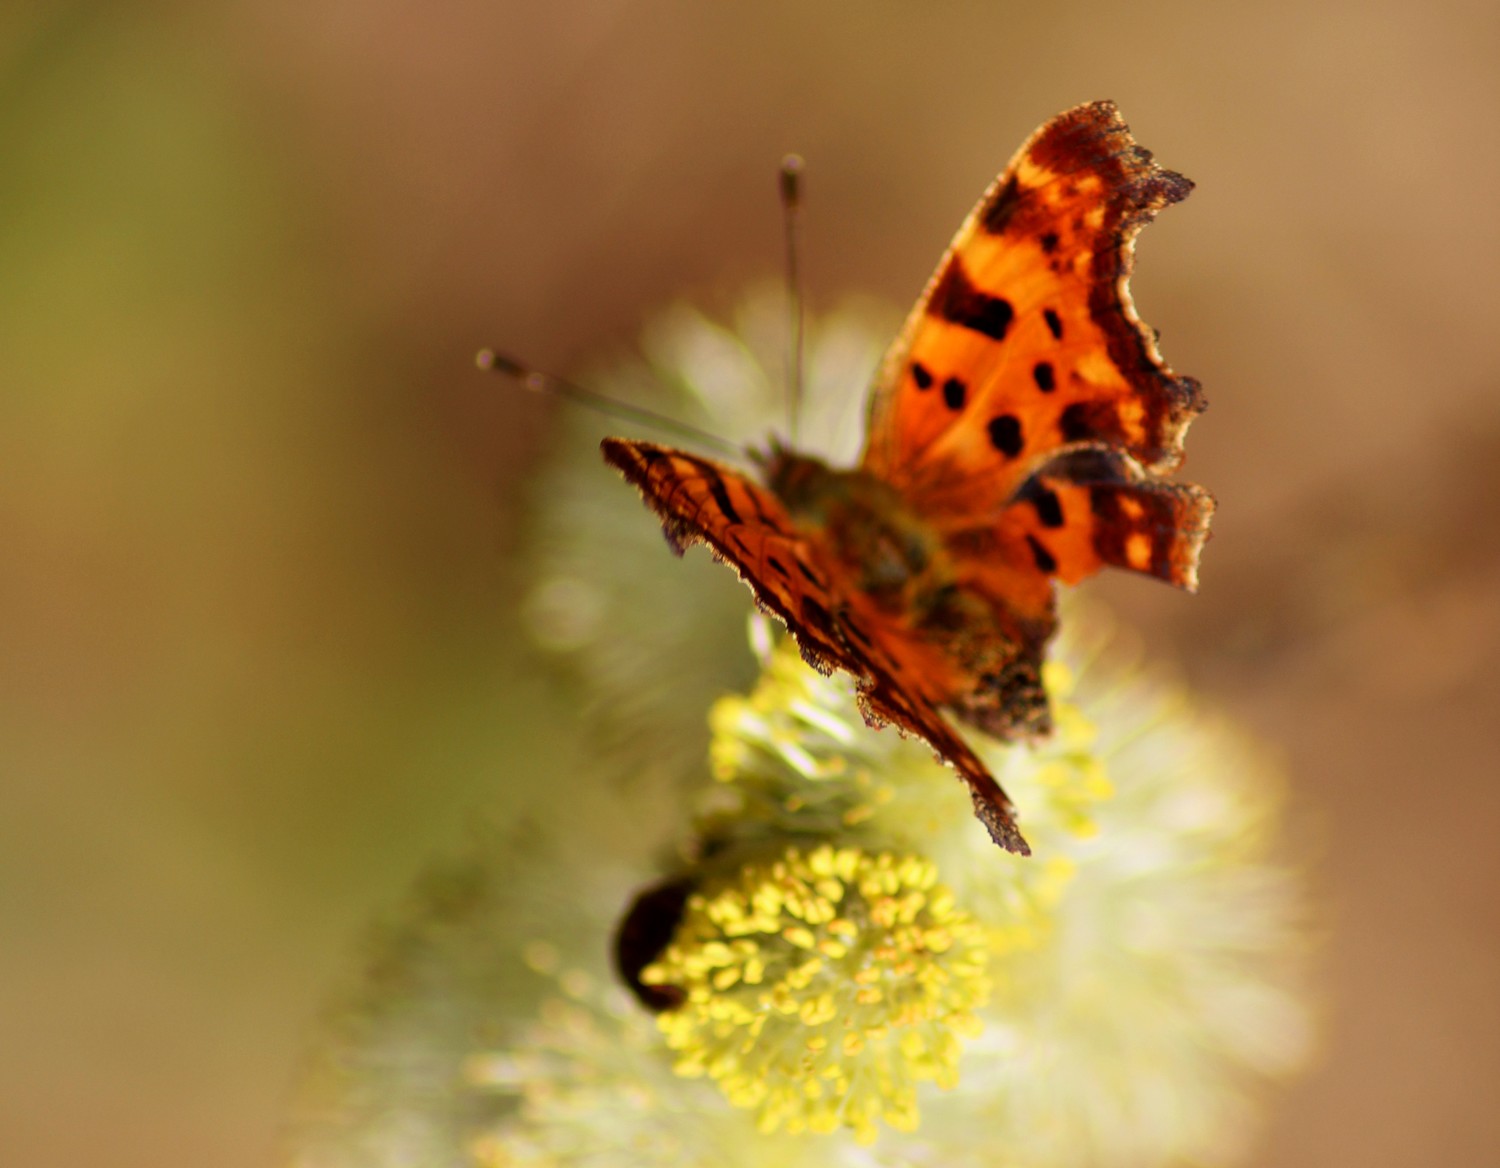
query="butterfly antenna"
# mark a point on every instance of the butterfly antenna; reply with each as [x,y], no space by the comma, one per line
[791,214]
[538,382]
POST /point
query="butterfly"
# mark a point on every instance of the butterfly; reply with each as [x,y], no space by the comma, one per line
[1018,435]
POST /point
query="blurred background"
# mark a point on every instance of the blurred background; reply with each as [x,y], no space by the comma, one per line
[260,514]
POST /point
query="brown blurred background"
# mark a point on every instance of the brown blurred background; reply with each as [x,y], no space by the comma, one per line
[258,510]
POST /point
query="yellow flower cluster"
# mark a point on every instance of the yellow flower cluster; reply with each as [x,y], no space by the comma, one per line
[821,987]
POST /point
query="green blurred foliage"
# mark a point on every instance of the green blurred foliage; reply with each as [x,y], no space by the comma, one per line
[257,640]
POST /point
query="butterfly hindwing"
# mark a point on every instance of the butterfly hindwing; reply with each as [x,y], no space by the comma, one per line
[1093,507]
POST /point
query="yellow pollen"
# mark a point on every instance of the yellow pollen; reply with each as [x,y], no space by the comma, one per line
[820,987]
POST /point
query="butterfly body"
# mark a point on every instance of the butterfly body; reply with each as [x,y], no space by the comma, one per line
[890,553]
[1018,433]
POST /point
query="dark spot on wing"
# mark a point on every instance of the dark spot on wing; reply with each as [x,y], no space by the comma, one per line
[954,392]
[1049,242]
[1042,373]
[1048,506]
[777,566]
[957,300]
[808,573]
[816,617]
[856,632]
[1083,421]
[1113,527]
[1043,498]
[1001,206]
[717,489]
[1054,323]
[921,375]
[1006,436]
[1041,555]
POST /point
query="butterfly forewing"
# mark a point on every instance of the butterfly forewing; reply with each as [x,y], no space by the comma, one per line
[701,501]
[1026,341]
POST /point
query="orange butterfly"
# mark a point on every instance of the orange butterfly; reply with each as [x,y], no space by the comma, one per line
[1018,431]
